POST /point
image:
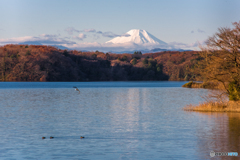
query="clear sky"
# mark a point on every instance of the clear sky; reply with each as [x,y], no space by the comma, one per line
[91,22]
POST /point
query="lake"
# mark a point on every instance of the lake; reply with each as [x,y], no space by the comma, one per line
[119,120]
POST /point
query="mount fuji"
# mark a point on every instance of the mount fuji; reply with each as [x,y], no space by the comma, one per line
[133,40]
[139,37]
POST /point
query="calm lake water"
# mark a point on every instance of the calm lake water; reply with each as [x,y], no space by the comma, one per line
[119,120]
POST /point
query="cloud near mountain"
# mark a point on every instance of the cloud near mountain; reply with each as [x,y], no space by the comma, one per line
[71,30]
[44,39]
[81,36]
[132,40]
[184,45]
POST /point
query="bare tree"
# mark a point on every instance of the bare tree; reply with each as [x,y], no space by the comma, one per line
[222,59]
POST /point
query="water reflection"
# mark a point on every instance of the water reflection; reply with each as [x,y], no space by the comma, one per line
[132,108]
[219,132]
[234,131]
[125,108]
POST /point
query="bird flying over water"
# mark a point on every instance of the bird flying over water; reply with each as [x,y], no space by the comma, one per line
[76,89]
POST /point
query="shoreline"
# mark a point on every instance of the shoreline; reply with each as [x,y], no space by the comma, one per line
[211,106]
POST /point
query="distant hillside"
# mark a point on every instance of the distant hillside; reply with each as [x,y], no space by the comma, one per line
[47,63]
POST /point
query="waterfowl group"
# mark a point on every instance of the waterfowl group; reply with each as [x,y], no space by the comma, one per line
[45,137]
[81,136]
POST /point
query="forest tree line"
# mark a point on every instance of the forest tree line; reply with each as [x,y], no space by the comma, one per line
[47,63]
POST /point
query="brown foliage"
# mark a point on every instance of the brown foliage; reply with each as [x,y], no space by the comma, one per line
[46,63]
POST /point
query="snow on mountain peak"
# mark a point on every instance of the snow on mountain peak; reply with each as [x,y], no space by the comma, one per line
[137,36]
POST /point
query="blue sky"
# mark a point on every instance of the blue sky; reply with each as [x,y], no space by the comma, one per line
[75,23]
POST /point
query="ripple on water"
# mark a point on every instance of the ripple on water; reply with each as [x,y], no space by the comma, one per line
[124,122]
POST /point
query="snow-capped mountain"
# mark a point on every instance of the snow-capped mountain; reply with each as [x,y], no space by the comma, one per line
[139,37]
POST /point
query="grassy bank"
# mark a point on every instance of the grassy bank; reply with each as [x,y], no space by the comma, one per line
[230,106]
[206,85]
[217,100]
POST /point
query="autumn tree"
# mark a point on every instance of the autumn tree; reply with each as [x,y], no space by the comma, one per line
[222,59]
[134,61]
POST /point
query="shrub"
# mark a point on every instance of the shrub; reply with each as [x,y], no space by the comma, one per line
[149,64]
[124,58]
[234,91]
[65,53]
[188,85]
[159,70]
[94,56]
[182,60]
[134,61]
[28,53]
[145,61]
[14,56]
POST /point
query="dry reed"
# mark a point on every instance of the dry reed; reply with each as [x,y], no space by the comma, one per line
[230,106]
